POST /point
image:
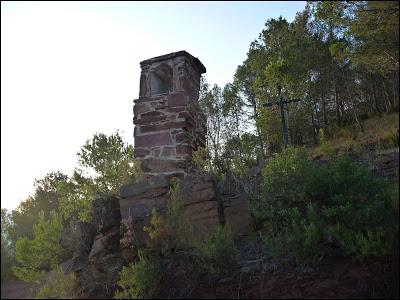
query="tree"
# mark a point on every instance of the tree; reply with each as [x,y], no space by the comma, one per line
[43,252]
[7,253]
[46,198]
[105,163]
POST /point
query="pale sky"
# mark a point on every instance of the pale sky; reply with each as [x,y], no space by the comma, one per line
[71,69]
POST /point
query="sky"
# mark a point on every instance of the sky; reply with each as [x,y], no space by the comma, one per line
[71,69]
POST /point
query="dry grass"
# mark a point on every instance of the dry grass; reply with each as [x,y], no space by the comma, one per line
[378,133]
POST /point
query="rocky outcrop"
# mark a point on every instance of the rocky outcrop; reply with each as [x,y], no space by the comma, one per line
[201,206]
[383,163]
[98,270]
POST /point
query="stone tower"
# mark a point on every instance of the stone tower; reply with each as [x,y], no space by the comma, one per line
[169,122]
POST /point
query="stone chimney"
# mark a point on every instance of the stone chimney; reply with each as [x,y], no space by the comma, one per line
[169,122]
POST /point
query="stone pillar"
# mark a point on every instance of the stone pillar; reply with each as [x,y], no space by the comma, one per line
[169,124]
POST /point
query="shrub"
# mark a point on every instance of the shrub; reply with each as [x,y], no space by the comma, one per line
[171,230]
[306,209]
[140,280]
[58,286]
[42,253]
[216,254]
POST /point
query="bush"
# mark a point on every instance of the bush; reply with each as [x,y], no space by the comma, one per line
[42,253]
[171,230]
[308,209]
[59,286]
[140,280]
[216,254]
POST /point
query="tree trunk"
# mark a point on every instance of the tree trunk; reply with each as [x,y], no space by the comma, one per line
[339,121]
[375,97]
[324,108]
[388,104]
[370,108]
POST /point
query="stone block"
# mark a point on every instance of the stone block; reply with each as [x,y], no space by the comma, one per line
[168,152]
[162,126]
[152,140]
[141,152]
[139,188]
[162,165]
[177,99]
[148,120]
[183,149]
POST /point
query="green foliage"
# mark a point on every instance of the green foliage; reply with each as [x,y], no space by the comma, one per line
[42,253]
[58,286]
[201,159]
[46,198]
[105,164]
[171,231]
[138,281]
[376,28]
[308,209]
[216,253]
[109,159]
[7,253]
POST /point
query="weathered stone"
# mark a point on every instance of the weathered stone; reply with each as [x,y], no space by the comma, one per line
[141,152]
[148,120]
[155,152]
[98,273]
[106,213]
[84,236]
[151,114]
[162,165]
[141,208]
[104,243]
[238,215]
[182,137]
[183,149]
[151,140]
[162,126]
[141,108]
[141,187]
[177,99]
[172,85]
[168,152]
[176,109]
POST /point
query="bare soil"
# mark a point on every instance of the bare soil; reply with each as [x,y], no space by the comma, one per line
[16,290]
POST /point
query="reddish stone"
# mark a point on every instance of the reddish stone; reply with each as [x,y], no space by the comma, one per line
[161,165]
[177,99]
[151,114]
[148,120]
[182,137]
[140,108]
[168,151]
[156,152]
[151,140]
[187,116]
[183,149]
[163,126]
[176,109]
[140,152]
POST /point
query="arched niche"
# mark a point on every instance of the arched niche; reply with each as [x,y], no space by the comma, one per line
[161,80]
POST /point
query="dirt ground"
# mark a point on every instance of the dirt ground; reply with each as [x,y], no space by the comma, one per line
[15,290]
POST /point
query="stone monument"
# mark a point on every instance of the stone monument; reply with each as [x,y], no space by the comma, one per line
[169,122]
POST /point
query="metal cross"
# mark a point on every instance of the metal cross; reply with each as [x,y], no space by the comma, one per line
[281,104]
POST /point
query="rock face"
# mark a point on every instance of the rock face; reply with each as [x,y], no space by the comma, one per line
[201,206]
[169,122]
[383,163]
[98,270]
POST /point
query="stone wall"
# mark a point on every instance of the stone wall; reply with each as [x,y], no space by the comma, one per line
[169,124]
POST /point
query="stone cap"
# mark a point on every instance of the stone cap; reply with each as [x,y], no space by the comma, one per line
[193,59]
